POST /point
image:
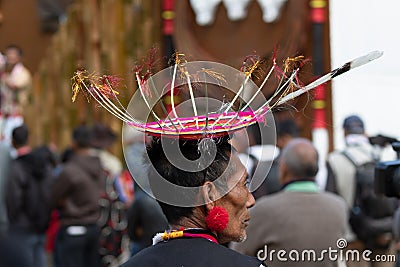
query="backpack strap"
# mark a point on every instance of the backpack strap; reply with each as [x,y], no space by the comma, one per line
[357,185]
[347,155]
[357,189]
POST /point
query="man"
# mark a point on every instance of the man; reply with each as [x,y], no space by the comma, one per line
[103,138]
[145,219]
[340,166]
[342,173]
[76,193]
[208,216]
[298,218]
[27,198]
[111,241]
[10,249]
[15,84]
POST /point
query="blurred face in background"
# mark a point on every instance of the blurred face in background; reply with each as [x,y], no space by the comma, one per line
[13,56]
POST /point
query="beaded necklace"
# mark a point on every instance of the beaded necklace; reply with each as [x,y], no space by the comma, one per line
[184,233]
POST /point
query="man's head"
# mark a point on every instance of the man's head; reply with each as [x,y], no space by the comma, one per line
[82,137]
[299,161]
[225,172]
[20,136]
[13,54]
[286,130]
[353,125]
[103,136]
[176,175]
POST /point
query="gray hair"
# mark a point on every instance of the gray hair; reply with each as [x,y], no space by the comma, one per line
[301,158]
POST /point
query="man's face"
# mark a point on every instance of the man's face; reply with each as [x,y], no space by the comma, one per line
[237,203]
[13,56]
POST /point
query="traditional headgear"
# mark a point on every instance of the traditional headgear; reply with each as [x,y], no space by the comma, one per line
[204,111]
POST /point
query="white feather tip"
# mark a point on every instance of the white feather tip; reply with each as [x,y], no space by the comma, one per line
[366,59]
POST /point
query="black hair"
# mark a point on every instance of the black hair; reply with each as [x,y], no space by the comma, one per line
[66,155]
[254,131]
[82,135]
[47,155]
[20,136]
[287,127]
[171,173]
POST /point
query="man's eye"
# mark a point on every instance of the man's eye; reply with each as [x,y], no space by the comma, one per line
[247,183]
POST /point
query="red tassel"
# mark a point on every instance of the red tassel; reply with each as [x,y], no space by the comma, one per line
[217,219]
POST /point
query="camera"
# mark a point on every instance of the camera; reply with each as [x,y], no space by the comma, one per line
[387,175]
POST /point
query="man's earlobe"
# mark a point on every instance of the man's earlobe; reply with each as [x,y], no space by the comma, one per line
[209,194]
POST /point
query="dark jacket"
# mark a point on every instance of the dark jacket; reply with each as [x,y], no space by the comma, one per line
[295,220]
[193,252]
[270,184]
[77,190]
[145,217]
[23,170]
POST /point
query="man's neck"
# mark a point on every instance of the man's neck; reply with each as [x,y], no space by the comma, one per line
[23,150]
[356,139]
[82,151]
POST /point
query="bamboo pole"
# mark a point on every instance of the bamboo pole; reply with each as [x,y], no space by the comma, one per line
[105,36]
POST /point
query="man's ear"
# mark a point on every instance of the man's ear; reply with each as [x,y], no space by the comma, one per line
[210,194]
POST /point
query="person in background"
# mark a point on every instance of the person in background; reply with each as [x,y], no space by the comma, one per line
[299,217]
[145,217]
[76,194]
[9,251]
[15,86]
[103,138]
[343,169]
[54,224]
[27,197]
[113,222]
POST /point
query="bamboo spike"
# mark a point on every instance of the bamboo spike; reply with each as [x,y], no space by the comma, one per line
[237,94]
[259,89]
[232,102]
[206,95]
[172,96]
[104,104]
[284,86]
[192,98]
[146,102]
[120,104]
[162,104]
[254,96]
[336,72]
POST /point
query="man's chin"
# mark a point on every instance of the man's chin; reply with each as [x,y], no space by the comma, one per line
[242,238]
[237,238]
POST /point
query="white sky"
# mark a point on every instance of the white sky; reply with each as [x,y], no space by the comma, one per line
[371,91]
